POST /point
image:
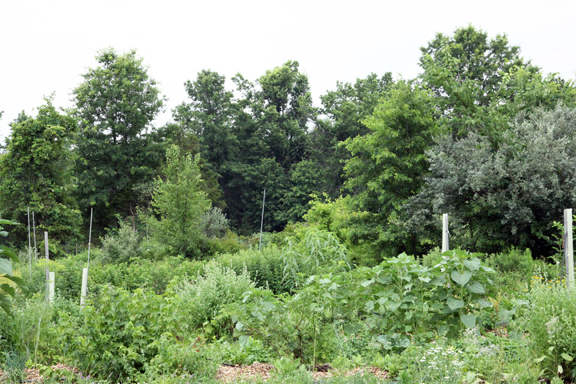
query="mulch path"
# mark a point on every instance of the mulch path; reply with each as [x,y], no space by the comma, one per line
[228,373]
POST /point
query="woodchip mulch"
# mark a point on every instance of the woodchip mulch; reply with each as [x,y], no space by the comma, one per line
[247,373]
[229,373]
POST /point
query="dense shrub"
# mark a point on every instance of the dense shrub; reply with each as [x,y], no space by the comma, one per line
[264,267]
[507,194]
[214,223]
[119,333]
[202,298]
[121,245]
[515,267]
[391,301]
[144,274]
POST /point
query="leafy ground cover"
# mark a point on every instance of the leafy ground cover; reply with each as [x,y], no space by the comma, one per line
[313,316]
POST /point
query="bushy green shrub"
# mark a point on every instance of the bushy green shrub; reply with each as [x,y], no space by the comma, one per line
[203,298]
[311,251]
[513,261]
[121,245]
[397,302]
[214,223]
[144,274]
[119,333]
[264,267]
[550,325]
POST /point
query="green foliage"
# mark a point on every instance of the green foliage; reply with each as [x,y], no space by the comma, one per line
[388,167]
[214,223]
[401,297]
[121,245]
[36,172]
[513,266]
[203,298]
[115,106]
[265,267]
[505,196]
[8,282]
[345,109]
[287,326]
[398,298]
[550,325]
[118,332]
[480,84]
[310,252]
[150,275]
[181,204]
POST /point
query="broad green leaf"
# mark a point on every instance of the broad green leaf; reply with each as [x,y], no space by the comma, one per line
[393,305]
[243,341]
[367,283]
[18,280]
[473,264]
[475,287]
[4,251]
[370,306]
[438,280]
[443,330]
[484,303]
[5,267]
[325,281]
[468,320]
[8,289]
[384,280]
[506,315]
[461,279]
[351,329]
[566,356]
[454,303]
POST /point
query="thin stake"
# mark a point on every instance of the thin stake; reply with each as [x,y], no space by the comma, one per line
[34,229]
[47,255]
[90,236]
[262,220]
[29,244]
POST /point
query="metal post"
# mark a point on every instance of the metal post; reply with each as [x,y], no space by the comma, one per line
[569,248]
[34,230]
[29,244]
[262,220]
[47,255]
[90,236]
[445,233]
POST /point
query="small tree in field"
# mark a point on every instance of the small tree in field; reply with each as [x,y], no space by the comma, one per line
[181,203]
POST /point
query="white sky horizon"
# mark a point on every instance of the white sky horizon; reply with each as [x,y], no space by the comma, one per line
[49,45]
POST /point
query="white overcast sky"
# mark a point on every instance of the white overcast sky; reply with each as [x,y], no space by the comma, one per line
[47,45]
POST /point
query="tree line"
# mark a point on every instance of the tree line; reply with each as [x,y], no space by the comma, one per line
[481,133]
